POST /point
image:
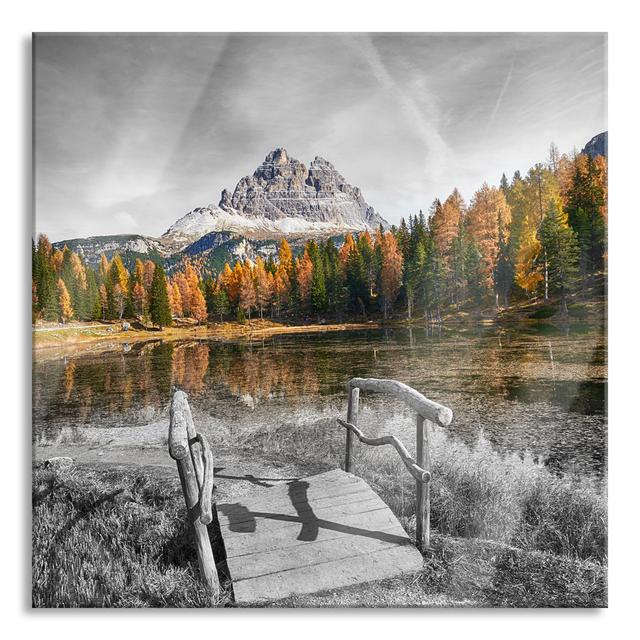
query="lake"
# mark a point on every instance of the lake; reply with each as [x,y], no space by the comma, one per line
[530,389]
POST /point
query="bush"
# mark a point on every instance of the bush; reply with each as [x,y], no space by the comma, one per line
[477,492]
[543,313]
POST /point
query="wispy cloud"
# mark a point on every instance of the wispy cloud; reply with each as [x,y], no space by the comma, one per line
[503,91]
[425,127]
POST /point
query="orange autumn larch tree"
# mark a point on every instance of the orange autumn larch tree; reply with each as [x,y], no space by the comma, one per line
[304,272]
[139,298]
[488,214]
[64,302]
[198,305]
[264,290]
[347,247]
[285,257]
[247,290]
[446,223]
[175,300]
[390,270]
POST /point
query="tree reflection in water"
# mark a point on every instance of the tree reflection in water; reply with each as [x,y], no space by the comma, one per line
[527,389]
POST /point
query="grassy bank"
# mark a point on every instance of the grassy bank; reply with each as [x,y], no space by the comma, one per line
[117,538]
[79,337]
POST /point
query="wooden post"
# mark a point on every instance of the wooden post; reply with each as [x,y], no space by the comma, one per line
[423,489]
[352,418]
[181,450]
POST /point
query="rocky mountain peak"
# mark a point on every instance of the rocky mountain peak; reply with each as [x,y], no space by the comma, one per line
[598,145]
[282,197]
[277,156]
[225,200]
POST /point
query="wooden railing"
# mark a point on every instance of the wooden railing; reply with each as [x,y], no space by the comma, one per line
[193,456]
[420,468]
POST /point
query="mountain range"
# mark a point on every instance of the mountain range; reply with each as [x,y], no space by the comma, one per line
[283,198]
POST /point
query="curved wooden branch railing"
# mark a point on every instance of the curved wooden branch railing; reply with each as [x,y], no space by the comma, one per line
[414,469]
[194,459]
[420,467]
[424,407]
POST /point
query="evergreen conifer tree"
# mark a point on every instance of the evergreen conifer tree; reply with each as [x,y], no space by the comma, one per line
[159,307]
[561,245]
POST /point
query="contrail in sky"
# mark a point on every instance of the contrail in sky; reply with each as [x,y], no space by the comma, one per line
[505,86]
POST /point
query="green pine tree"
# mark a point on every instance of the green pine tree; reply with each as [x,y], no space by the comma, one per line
[318,284]
[220,304]
[93,296]
[563,252]
[356,282]
[159,307]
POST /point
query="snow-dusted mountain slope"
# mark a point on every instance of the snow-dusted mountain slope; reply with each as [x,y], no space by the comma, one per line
[281,198]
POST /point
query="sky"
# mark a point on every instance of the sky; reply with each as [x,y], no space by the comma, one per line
[133,131]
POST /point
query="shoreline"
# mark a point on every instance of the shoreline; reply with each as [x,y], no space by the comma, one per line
[53,340]
[88,337]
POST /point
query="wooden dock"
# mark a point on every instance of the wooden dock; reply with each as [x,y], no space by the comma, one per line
[323,532]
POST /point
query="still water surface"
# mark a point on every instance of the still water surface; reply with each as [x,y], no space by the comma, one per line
[535,389]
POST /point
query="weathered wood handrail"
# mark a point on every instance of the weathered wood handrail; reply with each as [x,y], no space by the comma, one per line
[420,468]
[424,407]
[414,469]
[194,459]
[206,489]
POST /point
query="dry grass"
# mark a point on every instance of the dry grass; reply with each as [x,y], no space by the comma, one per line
[111,539]
[114,538]
[477,492]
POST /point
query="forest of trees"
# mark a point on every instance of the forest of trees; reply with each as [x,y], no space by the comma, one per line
[530,237]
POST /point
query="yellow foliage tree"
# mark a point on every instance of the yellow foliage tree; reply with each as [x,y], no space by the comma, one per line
[304,271]
[285,257]
[391,270]
[347,247]
[175,300]
[198,305]
[264,291]
[64,302]
[527,272]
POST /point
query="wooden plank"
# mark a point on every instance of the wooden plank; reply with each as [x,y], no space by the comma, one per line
[241,511]
[248,522]
[322,532]
[298,495]
[370,524]
[329,575]
[303,555]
